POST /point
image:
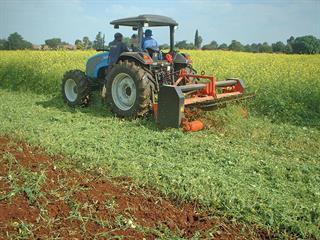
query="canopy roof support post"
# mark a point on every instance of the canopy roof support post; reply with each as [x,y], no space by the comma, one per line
[140,35]
[171,38]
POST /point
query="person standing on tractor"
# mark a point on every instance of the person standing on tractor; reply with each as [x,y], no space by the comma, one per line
[116,48]
[135,43]
[149,42]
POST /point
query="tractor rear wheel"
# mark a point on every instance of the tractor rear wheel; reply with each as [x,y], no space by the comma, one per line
[128,90]
[75,89]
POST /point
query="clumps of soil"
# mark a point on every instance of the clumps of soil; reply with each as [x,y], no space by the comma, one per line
[74,204]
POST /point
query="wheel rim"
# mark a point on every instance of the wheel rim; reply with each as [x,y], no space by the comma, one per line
[123,91]
[70,89]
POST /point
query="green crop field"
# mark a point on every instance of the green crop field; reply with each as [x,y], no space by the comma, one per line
[264,169]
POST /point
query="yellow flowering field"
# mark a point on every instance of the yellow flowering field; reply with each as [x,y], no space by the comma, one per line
[286,86]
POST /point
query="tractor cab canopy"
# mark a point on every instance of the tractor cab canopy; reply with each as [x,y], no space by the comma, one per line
[151,20]
[147,20]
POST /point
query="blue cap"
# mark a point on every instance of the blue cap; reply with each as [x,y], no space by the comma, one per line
[148,33]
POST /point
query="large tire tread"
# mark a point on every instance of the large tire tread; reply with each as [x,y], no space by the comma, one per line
[143,85]
[83,89]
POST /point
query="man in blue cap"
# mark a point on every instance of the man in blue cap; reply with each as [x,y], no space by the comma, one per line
[149,42]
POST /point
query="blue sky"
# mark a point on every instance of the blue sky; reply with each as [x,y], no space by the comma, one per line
[247,20]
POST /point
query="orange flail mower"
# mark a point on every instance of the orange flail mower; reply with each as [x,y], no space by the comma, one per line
[188,92]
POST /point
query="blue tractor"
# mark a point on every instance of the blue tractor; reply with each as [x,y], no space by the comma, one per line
[142,81]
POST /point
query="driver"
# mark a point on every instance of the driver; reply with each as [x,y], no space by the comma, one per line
[149,42]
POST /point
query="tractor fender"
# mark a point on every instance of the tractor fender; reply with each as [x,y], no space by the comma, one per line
[138,57]
[95,63]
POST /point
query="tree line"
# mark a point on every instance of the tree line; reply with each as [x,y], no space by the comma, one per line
[16,42]
[301,45]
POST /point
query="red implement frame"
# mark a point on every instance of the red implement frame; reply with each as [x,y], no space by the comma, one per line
[210,93]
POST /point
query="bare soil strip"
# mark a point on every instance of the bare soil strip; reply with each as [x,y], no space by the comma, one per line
[41,198]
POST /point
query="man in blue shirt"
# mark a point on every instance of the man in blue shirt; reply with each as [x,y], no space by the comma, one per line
[149,42]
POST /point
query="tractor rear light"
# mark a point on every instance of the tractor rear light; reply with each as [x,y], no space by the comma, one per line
[169,58]
[148,59]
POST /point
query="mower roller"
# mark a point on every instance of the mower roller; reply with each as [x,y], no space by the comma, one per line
[141,82]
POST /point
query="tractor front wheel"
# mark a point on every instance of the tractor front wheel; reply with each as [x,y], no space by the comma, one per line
[75,89]
[128,90]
